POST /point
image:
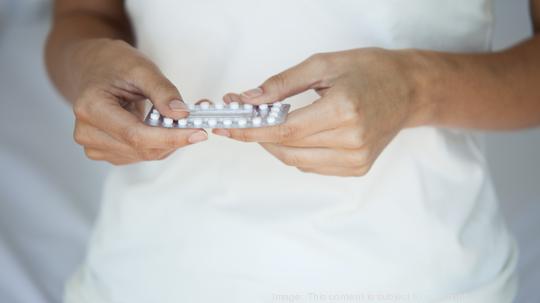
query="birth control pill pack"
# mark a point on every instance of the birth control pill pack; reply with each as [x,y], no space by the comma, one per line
[220,115]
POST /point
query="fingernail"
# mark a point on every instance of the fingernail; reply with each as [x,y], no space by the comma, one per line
[222,132]
[197,137]
[253,93]
[178,106]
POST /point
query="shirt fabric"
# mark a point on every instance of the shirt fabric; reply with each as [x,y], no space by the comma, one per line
[224,221]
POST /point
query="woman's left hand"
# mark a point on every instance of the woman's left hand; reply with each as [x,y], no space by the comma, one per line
[366,97]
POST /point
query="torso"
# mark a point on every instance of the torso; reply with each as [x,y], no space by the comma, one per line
[224,219]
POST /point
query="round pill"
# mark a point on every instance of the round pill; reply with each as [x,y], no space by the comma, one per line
[263,107]
[155,111]
[271,120]
[234,105]
[219,105]
[205,105]
[248,106]
[182,122]
[227,122]
[277,104]
[275,109]
[212,122]
[197,122]
[154,116]
[242,122]
[256,121]
[167,121]
[274,114]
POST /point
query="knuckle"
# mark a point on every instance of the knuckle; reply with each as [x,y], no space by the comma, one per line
[148,155]
[171,142]
[79,110]
[93,154]
[356,140]
[118,162]
[360,171]
[132,137]
[355,158]
[291,159]
[323,61]
[346,110]
[278,80]
[245,136]
[286,132]
[78,137]
[317,58]
[305,169]
[164,155]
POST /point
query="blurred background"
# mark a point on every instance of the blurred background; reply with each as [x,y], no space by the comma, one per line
[50,193]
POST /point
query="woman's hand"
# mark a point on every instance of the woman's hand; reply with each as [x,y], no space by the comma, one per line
[367,97]
[111,81]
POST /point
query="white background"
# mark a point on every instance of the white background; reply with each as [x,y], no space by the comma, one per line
[49,193]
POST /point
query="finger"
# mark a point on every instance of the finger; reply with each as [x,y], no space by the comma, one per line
[306,75]
[232,97]
[308,120]
[204,100]
[336,171]
[92,137]
[161,92]
[118,157]
[102,155]
[317,157]
[346,138]
[110,117]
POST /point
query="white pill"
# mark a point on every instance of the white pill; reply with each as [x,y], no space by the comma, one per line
[256,121]
[277,104]
[212,122]
[197,122]
[155,111]
[227,122]
[274,114]
[182,122]
[205,105]
[248,106]
[263,107]
[234,105]
[219,105]
[242,122]
[271,120]
[275,109]
[154,116]
[167,121]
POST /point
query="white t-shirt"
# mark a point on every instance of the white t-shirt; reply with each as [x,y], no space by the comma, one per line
[224,221]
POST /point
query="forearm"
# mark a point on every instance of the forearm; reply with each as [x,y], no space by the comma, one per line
[70,29]
[496,91]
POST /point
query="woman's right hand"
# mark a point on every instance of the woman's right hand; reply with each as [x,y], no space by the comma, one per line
[111,81]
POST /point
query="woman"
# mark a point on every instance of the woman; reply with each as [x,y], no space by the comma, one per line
[394,82]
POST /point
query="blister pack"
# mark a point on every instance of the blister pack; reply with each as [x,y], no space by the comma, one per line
[219,115]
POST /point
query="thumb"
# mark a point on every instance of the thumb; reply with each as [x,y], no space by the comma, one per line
[290,82]
[161,92]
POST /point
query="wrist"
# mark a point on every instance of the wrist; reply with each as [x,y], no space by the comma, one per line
[424,76]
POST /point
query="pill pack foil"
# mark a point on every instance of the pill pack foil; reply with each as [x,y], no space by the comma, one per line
[220,115]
